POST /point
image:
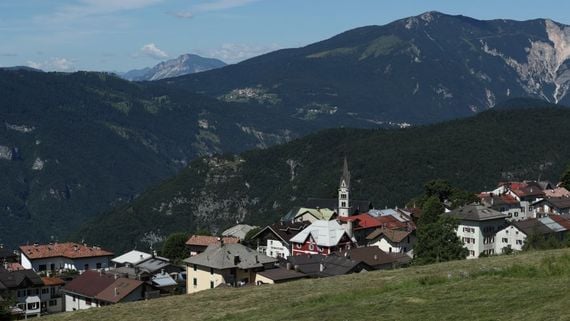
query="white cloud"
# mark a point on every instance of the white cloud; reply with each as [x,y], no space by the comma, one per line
[212,5]
[182,14]
[53,64]
[151,50]
[236,52]
[86,8]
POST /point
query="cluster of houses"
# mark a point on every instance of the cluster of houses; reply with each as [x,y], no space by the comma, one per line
[325,237]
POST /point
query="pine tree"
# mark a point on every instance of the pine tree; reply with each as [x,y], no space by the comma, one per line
[565,179]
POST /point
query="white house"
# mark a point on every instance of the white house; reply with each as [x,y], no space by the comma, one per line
[274,240]
[64,256]
[393,240]
[514,236]
[477,228]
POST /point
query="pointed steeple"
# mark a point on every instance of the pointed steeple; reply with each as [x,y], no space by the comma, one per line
[345,178]
[344,192]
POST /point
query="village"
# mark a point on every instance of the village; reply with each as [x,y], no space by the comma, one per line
[323,238]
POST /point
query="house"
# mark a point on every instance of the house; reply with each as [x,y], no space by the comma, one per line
[274,240]
[94,289]
[307,214]
[554,205]
[225,264]
[508,205]
[393,240]
[477,227]
[198,243]
[513,237]
[239,231]
[278,275]
[376,258]
[64,256]
[322,237]
[362,225]
[33,295]
[131,258]
[318,266]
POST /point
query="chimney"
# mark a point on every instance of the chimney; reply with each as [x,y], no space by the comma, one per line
[116,291]
[116,277]
[289,266]
[221,240]
[375,257]
[153,253]
[256,259]
[321,267]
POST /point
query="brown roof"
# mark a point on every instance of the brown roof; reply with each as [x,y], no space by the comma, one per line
[118,290]
[281,274]
[68,250]
[205,240]
[90,283]
[374,256]
[564,221]
[52,281]
[392,235]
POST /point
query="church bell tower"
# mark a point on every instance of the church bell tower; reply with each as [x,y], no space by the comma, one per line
[344,192]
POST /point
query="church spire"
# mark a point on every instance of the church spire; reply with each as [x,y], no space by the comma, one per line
[344,191]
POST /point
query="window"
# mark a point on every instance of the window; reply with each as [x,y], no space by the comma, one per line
[472,253]
[311,247]
[194,267]
[343,204]
[33,306]
[343,196]
[194,281]
[519,242]
[52,267]
[87,301]
[505,240]
[298,246]
[86,267]
[45,290]
[211,284]
[52,303]
[211,271]
[42,267]
[98,266]
[73,298]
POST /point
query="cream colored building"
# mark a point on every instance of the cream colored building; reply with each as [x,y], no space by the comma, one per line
[229,264]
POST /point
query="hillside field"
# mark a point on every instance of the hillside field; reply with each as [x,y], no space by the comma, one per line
[529,286]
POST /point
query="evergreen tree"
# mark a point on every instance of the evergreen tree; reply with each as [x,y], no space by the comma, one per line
[174,247]
[437,240]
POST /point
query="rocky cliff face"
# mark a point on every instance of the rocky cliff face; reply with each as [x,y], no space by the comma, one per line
[183,65]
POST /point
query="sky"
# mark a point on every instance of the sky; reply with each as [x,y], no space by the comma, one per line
[120,35]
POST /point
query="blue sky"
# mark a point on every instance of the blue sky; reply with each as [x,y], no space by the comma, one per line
[118,35]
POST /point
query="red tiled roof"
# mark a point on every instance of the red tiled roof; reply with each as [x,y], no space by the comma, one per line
[205,240]
[15,266]
[69,250]
[563,221]
[52,281]
[362,221]
[391,222]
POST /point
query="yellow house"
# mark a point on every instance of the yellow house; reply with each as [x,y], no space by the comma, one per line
[229,264]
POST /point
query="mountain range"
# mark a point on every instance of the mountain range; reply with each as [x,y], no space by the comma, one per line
[417,70]
[183,65]
[74,145]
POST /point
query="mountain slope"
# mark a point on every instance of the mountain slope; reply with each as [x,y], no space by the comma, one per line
[530,282]
[183,65]
[387,166]
[420,69]
[73,145]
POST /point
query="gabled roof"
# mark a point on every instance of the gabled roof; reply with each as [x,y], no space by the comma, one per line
[362,221]
[68,250]
[532,226]
[324,213]
[564,221]
[558,202]
[228,256]
[374,256]
[50,281]
[557,192]
[474,212]
[118,290]
[325,233]
[323,266]
[552,224]
[281,274]
[162,280]
[239,231]
[14,279]
[90,283]
[395,236]
[153,265]
[283,230]
[205,240]
[132,257]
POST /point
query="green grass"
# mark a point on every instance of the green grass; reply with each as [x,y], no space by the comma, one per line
[531,286]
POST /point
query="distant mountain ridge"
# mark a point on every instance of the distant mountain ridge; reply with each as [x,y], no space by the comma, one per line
[417,70]
[183,65]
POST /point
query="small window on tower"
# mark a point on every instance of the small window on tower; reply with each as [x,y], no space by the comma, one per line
[343,196]
[343,204]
